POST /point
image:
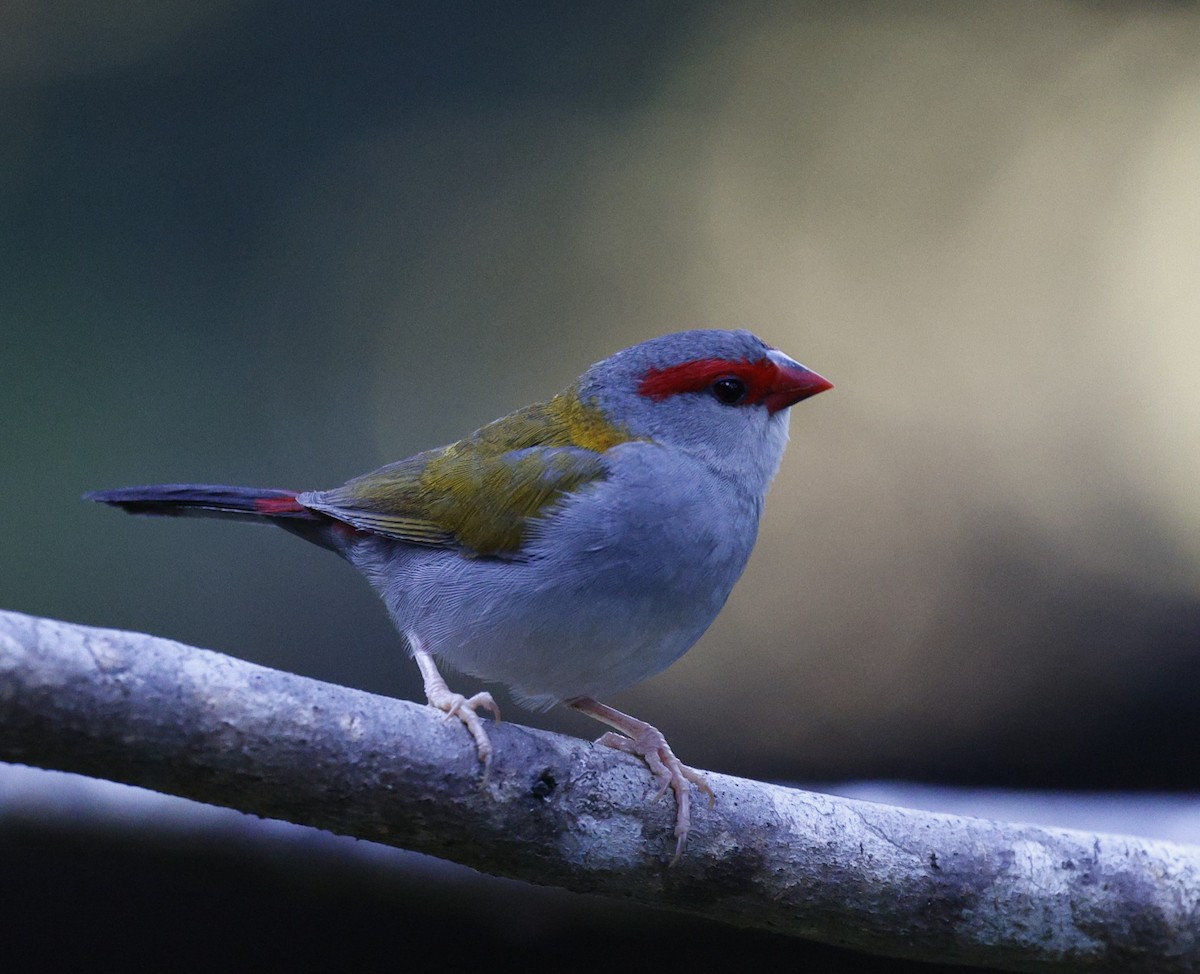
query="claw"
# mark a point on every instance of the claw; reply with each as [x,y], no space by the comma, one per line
[455,705]
[647,742]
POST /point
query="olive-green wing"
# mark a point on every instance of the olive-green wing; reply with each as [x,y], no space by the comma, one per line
[480,494]
[480,503]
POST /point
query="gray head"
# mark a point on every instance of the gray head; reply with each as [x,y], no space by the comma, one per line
[724,396]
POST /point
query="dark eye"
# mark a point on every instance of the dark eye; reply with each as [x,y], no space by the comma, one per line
[730,391]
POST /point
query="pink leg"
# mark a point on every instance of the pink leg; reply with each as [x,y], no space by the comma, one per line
[455,704]
[647,742]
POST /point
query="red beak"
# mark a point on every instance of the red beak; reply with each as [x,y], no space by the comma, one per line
[793,383]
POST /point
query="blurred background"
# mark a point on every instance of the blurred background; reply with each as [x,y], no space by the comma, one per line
[281,244]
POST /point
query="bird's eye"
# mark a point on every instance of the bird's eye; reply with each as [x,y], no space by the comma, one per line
[729,390]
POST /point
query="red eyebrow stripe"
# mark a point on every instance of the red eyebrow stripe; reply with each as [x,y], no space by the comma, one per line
[699,374]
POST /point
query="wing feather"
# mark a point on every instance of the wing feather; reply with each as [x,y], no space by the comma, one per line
[481,494]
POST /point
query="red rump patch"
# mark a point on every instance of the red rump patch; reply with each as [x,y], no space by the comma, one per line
[761,377]
[279,505]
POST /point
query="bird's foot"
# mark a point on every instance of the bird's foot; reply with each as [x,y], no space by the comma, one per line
[456,705]
[464,708]
[647,742]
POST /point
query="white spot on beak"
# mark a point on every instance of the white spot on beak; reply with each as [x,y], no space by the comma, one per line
[776,356]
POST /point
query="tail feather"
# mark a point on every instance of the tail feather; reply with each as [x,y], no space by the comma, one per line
[264,505]
[205,500]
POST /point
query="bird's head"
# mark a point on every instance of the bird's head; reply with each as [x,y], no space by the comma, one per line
[724,396]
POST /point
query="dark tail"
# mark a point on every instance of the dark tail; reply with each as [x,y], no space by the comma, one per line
[235,503]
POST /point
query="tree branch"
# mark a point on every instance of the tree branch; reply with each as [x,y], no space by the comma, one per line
[562,812]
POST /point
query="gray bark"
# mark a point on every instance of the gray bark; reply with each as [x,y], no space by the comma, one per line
[558,811]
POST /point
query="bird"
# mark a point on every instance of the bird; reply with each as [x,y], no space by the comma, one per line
[569,549]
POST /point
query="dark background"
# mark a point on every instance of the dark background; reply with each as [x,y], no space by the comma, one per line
[281,244]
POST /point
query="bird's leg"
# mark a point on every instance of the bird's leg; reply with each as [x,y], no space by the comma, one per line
[455,704]
[647,742]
